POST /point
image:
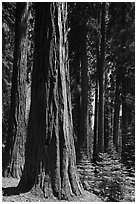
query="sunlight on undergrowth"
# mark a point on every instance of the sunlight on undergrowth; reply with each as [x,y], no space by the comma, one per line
[113,181]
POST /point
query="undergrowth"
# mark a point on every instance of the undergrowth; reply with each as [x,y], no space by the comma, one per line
[113,180]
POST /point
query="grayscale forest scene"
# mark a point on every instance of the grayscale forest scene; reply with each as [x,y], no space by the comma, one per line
[68,101]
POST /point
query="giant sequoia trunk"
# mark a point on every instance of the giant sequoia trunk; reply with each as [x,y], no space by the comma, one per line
[50,153]
[13,158]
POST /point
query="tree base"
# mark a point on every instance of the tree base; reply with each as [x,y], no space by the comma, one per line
[48,194]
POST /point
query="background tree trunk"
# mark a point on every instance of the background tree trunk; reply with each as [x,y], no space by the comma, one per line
[13,158]
[95,144]
[124,130]
[50,156]
[116,113]
[84,89]
[95,149]
[101,84]
[106,114]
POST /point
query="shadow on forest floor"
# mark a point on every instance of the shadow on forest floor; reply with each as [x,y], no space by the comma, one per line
[11,187]
[9,191]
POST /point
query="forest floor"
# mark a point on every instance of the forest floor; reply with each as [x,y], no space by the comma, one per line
[39,197]
[111,180]
[107,181]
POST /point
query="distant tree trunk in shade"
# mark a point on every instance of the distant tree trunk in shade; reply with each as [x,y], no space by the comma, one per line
[116,112]
[101,84]
[77,99]
[107,121]
[95,141]
[50,153]
[124,129]
[95,148]
[112,118]
[120,84]
[84,89]
[124,107]
[13,158]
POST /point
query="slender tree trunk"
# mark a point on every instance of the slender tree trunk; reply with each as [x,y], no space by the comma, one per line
[101,84]
[95,150]
[77,100]
[124,130]
[124,108]
[78,115]
[50,156]
[95,143]
[116,114]
[13,158]
[84,90]
[106,115]
[111,121]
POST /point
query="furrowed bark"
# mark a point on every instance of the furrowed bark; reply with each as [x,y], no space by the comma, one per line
[13,158]
[50,152]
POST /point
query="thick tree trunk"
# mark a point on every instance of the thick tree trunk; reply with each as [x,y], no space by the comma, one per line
[13,158]
[50,156]
[101,84]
